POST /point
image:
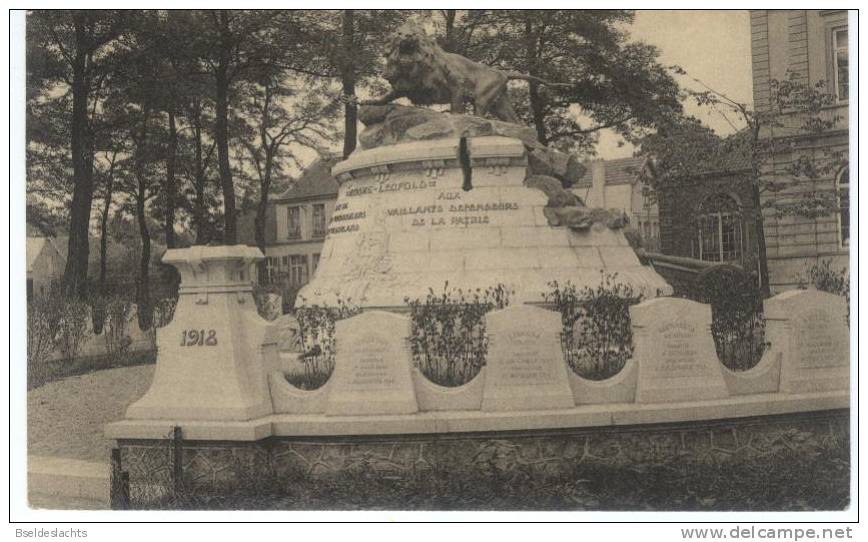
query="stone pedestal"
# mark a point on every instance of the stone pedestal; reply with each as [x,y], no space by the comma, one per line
[809,329]
[412,216]
[214,357]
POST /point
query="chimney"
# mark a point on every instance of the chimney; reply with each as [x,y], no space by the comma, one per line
[597,194]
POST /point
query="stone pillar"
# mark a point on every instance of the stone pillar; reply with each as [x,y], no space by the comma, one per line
[214,357]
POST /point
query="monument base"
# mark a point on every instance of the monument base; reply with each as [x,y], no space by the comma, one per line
[417,216]
[212,467]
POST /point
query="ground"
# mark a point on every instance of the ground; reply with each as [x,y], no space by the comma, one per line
[66,418]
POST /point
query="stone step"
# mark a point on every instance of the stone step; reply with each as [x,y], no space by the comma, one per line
[55,481]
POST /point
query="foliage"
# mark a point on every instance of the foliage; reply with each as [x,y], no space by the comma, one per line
[683,151]
[447,335]
[317,329]
[40,332]
[72,327]
[596,337]
[263,295]
[615,82]
[822,277]
[164,311]
[117,342]
[737,323]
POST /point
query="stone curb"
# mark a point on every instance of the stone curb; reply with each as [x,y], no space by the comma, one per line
[59,482]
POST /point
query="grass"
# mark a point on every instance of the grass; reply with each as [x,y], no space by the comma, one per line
[54,370]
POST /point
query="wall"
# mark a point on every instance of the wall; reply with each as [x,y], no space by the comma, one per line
[799,42]
[679,208]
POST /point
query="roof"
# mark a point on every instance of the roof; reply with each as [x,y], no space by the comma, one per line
[37,245]
[618,171]
[317,181]
[734,156]
[34,249]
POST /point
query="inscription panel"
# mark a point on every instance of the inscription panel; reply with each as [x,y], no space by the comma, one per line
[676,353]
[811,330]
[372,366]
[526,369]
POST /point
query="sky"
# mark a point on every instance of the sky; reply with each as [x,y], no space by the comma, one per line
[712,46]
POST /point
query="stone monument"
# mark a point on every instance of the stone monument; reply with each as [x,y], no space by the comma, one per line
[432,197]
[216,353]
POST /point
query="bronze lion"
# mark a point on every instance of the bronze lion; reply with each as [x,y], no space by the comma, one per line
[419,70]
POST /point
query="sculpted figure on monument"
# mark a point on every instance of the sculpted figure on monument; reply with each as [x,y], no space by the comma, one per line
[419,70]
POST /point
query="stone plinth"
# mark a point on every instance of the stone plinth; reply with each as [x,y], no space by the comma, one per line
[675,350]
[214,357]
[412,216]
[809,329]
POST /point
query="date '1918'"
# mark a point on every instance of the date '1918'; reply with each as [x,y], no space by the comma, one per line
[193,337]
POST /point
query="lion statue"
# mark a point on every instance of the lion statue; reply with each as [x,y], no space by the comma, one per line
[419,70]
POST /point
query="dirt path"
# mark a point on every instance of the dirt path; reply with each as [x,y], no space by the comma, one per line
[66,418]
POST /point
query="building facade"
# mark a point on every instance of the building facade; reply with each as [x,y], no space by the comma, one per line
[296,225]
[45,264]
[806,46]
[617,184]
[709,219]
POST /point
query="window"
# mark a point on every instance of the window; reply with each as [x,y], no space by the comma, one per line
[843,186]
[298,270]
[293,222]
[319,220]
[271,267]
[314,263]
[841,63]
[720,229]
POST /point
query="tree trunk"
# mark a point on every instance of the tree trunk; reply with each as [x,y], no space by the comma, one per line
[259,227]
[171,191]
[348,81]
[449,38]
[143,284]
[199,204]
[103,231]
[75,272]
[763,263]
[221,135]
[536,103]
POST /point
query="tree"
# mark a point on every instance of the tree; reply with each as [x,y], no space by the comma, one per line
[78,49]
[235,46]
[685,148]
[276,121]
[612,83]
[347,45]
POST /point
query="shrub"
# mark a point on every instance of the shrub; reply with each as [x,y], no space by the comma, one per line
[72,328]
[822,277]
[40,336]
[118,311]
[737,323]
[447,338]
[596,336]
[317,329]
[164,311]
[267,305]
